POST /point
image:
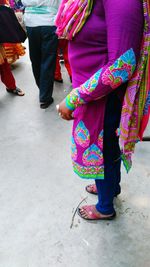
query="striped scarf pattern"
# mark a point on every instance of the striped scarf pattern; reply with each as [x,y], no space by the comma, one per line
[136,106]
[71,17]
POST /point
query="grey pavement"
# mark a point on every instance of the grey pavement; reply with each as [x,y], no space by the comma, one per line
[39,192]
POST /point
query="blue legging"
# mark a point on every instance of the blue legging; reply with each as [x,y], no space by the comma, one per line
[110,186]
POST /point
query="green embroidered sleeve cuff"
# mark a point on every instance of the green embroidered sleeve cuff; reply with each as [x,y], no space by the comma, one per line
[69,105]
[73,100]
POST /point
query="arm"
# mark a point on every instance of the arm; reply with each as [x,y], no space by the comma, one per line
[124,23]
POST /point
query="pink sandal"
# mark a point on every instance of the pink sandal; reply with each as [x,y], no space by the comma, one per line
[91,188]
[90,213]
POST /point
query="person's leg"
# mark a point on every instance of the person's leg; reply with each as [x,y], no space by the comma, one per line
[65,55]
[110,186]
[8,79]
[58,76]
[48,62]
[6,76]
[34,37]
[92,189]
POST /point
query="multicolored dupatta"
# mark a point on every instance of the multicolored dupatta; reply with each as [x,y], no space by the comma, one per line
[71,16]
[136,106]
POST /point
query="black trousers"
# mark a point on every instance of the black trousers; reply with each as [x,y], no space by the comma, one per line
[43,44]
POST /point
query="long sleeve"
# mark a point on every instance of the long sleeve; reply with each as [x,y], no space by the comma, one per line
[124,25]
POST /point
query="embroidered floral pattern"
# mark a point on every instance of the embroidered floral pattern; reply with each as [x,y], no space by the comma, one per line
[129,146]
[121,71]
[89,172]
[90,85]
[100,140]
[74,100]
[92,156]
[147,104]
[73,150]
[81,135]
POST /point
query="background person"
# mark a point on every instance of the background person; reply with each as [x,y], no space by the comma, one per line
[6,75]
[62,51]
[39,19]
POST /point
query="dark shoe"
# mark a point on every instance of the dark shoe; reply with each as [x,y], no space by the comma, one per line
[58,80]
[45,105]
[16,91]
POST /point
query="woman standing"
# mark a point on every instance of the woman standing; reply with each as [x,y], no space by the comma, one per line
[108,61]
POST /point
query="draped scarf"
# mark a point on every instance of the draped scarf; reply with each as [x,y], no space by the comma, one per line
[136,106]
[71,17]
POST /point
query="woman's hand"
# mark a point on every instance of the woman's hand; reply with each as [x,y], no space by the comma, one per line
[64,112]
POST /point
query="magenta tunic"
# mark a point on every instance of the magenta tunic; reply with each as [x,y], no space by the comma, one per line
[103,57]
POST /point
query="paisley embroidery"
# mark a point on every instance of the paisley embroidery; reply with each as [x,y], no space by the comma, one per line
[81,135]
[121,71]
[90,85]
[89,172]
[93,156]
[73,150]
[100,140]
[74,100]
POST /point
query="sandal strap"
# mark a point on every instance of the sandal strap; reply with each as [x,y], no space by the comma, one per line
[91,214]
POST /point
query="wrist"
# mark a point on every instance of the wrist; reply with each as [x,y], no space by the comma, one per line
[68,103]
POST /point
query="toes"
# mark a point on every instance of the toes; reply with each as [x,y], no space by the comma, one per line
[83,213]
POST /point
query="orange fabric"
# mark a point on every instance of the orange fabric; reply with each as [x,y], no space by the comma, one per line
[13,52]
[2,54]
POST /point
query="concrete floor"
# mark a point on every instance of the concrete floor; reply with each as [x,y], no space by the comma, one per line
[39,192]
